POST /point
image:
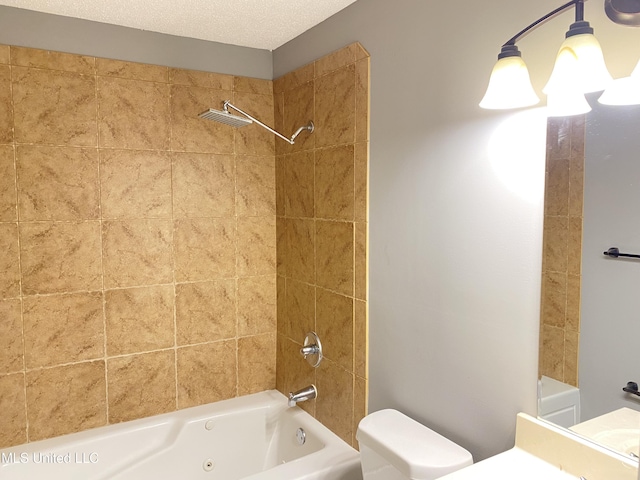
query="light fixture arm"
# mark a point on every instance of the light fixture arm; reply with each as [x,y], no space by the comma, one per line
[579,17]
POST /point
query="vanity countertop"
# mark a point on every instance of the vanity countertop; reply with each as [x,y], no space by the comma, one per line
[546,452]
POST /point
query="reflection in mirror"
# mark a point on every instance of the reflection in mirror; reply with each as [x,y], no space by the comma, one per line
[590,303]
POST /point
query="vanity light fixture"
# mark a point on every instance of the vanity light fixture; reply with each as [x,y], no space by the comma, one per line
[623,91]
[579,69]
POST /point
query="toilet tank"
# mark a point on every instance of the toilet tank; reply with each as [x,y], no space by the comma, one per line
[396,447]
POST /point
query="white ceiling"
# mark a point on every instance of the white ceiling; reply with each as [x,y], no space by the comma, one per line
[264,24]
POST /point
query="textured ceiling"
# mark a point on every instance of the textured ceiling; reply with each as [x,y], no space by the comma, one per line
[264,24]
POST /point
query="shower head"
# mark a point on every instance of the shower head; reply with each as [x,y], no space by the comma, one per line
[223,116]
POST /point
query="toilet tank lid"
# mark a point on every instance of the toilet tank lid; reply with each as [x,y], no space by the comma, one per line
[415,450]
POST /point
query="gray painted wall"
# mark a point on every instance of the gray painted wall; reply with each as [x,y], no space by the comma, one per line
[455,205]
[455,223]
[26,28]
[610,307]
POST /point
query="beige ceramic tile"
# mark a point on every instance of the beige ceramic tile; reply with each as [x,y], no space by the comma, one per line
[31,57]
[334,183]
[189,133]
[334,256]
[578,133]
[66,399]
[135,184]
[280,365]
[9,261]
[62,329]
[571,347]
[556,233]
[12,406]
[281,310]
[139,319]
[576,186]
[553,347]
[254,139]
[558,138]
[361,52]
[294,79]
[133,114]
[205,311]
[335,108]
[8,211]
[360,392]
[60,257]
[207,373]
[335,325]
[256,246]
[574,246]
[280,185]
[134,71]
[137,252]
[281,245]
[300,307]
[360,265]
[141,385]
[11,357]
[4,55]
[362,100]
[203,185]
[197,78]
[255,188]
[335,399]
[298,110]
[297,373]
[257,305]
[554,295]
[6,108]
[54,107]
[573,303]
[256,363]
[300,248]
[57,183]
[204,249]
[556,201]
[299,177]
[253,85]
[361,182]
[361,339]
[278,121]
[335,60]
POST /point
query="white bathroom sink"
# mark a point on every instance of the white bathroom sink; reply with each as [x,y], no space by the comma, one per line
[618,430]
[625,440]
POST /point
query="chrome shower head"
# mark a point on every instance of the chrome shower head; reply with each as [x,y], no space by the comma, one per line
[223,116]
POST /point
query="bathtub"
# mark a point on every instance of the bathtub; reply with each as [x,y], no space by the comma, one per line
[254,437]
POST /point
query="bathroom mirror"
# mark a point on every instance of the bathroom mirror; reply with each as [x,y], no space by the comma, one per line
[590,320]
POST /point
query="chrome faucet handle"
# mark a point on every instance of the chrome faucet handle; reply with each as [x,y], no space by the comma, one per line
[312,349]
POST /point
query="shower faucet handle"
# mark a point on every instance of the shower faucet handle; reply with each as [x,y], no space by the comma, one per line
[312,349]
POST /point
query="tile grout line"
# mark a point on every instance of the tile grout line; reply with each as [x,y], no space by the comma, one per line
[101,226]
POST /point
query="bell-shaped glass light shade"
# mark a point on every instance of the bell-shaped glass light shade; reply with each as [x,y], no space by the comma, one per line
[509,86]
[566,104]
[623,91]
[592,74]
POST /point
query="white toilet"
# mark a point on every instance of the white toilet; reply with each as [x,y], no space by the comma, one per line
[396,447]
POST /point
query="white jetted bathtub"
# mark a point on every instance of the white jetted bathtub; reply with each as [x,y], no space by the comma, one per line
[255,437]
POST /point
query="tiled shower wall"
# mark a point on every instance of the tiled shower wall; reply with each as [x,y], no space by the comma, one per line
[137,242]
[321,198]
[562,249]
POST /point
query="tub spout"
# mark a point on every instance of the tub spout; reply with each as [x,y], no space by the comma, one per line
[307,393]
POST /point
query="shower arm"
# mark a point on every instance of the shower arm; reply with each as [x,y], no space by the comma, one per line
[310,126]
